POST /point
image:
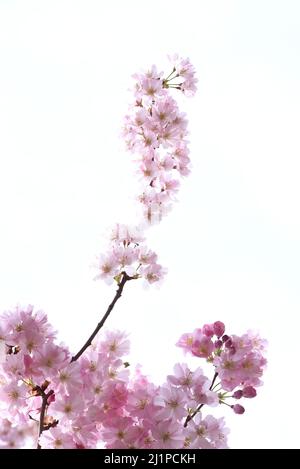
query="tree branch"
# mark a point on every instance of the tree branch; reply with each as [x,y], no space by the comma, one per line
[44,397]
[190,417]
[125,278]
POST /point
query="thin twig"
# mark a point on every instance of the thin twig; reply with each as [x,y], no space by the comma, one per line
[125,278]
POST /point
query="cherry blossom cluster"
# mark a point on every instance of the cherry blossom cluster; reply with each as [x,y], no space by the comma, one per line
[96,401]
[37,373]
[16,436]
[155,416]
[128,254]
[156,131]
[29,362]
[238,360]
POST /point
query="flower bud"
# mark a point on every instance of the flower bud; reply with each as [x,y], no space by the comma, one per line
[249,392]
[219,328]
[238,394]
[238,409]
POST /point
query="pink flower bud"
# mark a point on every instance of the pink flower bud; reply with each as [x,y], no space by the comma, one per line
[208,330]
[238,394]
[238,409]
[218,344]
[249,392]
[51,398]
[219,328]
[228,343]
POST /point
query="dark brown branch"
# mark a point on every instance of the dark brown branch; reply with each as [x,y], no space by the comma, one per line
[45,404]
[118,294]
[190,417]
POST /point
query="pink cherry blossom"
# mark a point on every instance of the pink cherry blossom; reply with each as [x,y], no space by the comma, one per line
[56,439]
[202,346]
[173,402]
[120,433]
[183,376]
[69,379]
[108,267]
[116,344]
[207,433]
[183,69]
[202,393]
[186,342]
[13,398]
[168,435]
[128,255]
[67,407]
[50,357]
[153,273]
[51,399]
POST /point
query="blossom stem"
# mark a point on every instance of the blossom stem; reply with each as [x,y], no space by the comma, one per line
[191,416]
[125,278]
[215,387]
[44,397]
[223,402]
[168,77]
[175,85]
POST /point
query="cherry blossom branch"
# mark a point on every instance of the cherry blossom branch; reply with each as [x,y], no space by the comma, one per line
[45,397]
[70,412]
[190,417]
[125,278]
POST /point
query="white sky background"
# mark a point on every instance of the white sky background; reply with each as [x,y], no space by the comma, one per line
[231,244]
